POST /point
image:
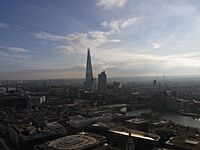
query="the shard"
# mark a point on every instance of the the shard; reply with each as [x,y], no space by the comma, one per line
[88,84]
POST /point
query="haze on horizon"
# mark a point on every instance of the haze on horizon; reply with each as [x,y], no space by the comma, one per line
[49,38]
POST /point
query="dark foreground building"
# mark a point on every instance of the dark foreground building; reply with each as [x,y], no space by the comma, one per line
[183,143]
[118,135]
[14,101]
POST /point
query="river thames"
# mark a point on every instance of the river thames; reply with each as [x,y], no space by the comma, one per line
[174,117]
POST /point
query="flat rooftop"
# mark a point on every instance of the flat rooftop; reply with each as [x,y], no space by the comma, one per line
[114,105]
[138,134]
[112,127]
[136,121]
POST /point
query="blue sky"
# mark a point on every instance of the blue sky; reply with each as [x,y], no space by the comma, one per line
[42,39]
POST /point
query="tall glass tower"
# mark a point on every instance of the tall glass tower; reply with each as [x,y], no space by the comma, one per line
[88,84]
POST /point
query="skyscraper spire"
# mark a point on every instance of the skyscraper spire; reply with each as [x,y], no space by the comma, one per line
[89,74]
[88,84]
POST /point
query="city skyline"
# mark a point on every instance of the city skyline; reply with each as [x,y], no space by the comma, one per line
[49,39]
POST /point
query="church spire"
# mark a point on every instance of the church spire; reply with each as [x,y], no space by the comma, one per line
[130,145]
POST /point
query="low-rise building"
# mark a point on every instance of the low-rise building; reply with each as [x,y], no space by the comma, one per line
[183,143]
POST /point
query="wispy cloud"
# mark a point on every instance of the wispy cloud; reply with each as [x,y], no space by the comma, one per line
[13,55]
[14,58]
[17,49]
[48,36]
[156,45]
[117,25]
[3,25]
[111,3]
[78,42]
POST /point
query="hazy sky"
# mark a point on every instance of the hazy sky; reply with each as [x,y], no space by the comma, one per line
[49,38]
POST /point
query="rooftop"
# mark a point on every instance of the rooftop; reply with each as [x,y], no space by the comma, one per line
[184,142]
[111,127]
[79,141]
[138,134]
[136,120]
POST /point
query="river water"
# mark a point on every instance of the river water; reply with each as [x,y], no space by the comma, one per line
[176,118]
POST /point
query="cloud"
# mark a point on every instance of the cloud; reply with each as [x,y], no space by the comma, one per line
[3,25]
[115,40]
[78,42]
[48,36]
[13,55]
[111,3]
[17,49]
[117,25]
[13,58]
[156,45]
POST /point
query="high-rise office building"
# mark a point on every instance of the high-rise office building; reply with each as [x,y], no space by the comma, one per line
[102,81]
[88,84]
